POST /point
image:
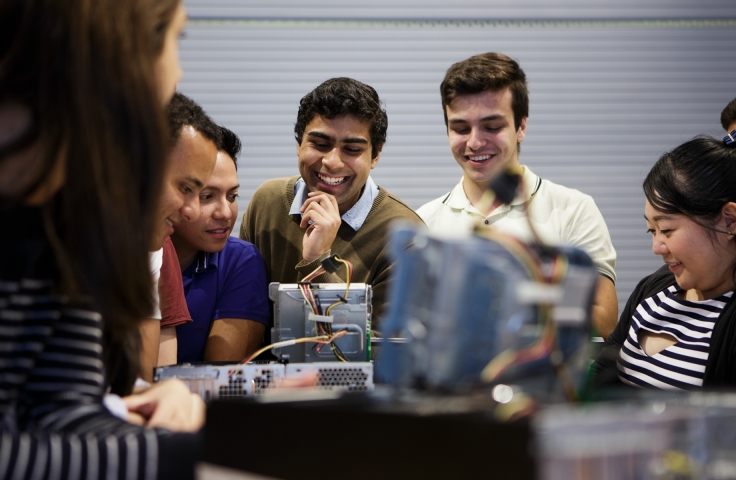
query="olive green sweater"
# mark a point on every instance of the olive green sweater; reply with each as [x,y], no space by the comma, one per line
[268,225]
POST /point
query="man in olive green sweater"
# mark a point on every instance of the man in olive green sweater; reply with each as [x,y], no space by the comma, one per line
[333,206]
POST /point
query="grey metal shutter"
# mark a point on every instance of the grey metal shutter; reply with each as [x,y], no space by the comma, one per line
[612,87]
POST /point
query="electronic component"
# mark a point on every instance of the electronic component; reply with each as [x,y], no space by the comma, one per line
[294,319]
[351,376]
[245,380]
[224,381]
[483,310]
[331,264]
[506,184]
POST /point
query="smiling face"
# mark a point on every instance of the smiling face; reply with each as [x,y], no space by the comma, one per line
[335,158]
[189,167]
[482,135]
[700,261]
[218,212]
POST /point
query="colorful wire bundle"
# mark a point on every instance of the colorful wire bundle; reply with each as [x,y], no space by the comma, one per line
[326,335]
[325,328]
[546,345]
[321,339]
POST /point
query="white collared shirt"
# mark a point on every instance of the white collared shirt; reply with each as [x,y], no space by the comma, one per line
[560,215]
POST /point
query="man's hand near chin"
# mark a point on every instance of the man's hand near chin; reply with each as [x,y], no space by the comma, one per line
[321,218]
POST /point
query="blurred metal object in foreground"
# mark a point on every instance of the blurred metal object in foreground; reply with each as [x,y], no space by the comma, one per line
[256,379]
[485,310]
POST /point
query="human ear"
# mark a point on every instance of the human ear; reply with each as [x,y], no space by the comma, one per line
[374,161]
[521,132]
[728,216]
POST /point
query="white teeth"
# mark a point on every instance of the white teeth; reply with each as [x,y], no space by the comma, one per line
[479,158]
[169,222]
[331,180]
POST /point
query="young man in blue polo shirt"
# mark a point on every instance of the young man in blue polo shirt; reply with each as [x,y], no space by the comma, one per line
[224,277]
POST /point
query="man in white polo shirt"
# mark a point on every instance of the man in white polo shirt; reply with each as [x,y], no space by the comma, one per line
[486,105]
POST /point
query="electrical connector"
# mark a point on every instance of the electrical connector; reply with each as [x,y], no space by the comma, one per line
[505,185]
[330,264]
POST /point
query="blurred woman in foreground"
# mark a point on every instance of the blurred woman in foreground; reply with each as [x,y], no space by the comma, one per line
[82,146]
[678,330]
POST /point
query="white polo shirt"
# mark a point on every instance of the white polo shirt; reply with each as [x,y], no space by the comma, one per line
[560,215]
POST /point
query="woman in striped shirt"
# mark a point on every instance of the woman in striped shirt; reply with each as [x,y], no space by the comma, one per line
[82,144]
[678,330]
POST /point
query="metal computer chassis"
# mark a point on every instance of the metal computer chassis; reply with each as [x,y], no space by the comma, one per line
[238,380]
[291,320]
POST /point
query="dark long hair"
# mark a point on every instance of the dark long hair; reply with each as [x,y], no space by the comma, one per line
[85,71]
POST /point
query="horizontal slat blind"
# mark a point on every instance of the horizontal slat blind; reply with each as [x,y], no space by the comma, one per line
[608,94]
[443,10]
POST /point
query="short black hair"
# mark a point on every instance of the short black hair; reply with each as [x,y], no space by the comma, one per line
[728,115]
[230,144]
[182,112]
[344,96]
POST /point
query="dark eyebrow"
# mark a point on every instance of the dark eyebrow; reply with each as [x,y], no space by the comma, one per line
[217,189]
[657,218]
[321,135]
[324,136]
[195,181]
[492,117]
[484,119]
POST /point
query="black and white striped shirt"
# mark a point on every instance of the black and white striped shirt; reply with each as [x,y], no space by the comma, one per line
[680,366]
[53,424]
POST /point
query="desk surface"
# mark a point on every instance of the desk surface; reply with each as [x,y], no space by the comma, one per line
[361,438]
[688,436]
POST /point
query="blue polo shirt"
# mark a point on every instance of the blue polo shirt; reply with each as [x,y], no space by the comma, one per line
[226,284]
